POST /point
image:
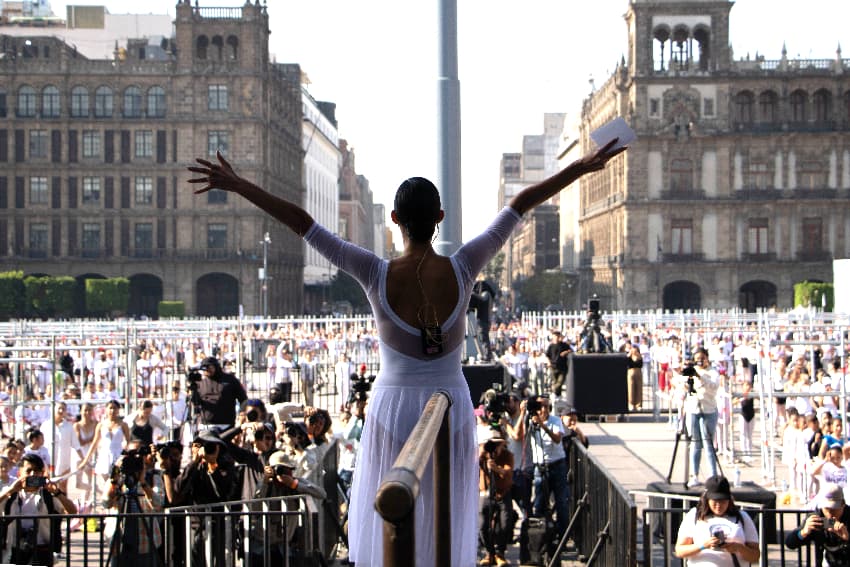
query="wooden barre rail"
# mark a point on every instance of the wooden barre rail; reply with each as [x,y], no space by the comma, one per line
[396,497]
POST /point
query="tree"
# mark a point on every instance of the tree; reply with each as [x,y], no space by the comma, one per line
[813,294]
[540,290]
[107,296]
[345,288]
[12,295]
[50,296]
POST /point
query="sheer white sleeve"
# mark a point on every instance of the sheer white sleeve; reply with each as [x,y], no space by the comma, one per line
[362,264]
[472,256]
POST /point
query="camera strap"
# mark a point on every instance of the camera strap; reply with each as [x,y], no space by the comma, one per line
[735,561]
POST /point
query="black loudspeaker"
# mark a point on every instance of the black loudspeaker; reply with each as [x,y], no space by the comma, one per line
[596,383]
[481,377]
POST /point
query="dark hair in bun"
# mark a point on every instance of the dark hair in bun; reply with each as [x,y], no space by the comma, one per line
[417,207]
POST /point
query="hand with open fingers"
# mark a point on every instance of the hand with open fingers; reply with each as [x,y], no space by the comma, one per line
[215,175]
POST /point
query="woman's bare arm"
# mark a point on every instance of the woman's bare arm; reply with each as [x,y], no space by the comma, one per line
[538,193]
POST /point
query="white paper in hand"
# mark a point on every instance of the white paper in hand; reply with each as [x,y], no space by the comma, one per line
[617,128]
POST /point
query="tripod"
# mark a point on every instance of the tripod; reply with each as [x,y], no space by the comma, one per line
[124,549]
[705,436]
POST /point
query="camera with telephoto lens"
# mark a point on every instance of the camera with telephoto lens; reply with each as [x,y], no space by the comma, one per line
[193,378]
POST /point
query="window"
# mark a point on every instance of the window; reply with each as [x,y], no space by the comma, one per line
[38,190]
[708,107]
[654,107]
[217,140]
[744,107]
[156,102]
[144,143]
[758,176]
[811,175]
[798,106]
[757,236]
[91,240]
[38,144]
[26,102]
[38,240]
[822,102]
[91,143]
[232,47]
[91,190]
[3,103]
[201,47]
[217,97]
[681,175]
[79,102]
[216,236]
[103,102]
[767,107]
[144,190]
[132,102]
[216,197]
[51,106]
[812,235]
[143,240]
[682,237]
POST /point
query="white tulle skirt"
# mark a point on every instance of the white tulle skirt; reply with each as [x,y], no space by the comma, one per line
[398,397]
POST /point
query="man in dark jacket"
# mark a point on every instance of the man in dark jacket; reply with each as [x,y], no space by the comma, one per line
[210,478]
[828,528]
[217,395]
[557,353]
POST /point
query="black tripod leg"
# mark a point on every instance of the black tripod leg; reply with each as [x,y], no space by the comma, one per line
[669,477]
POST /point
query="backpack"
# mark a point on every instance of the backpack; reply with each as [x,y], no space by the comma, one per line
[55,521]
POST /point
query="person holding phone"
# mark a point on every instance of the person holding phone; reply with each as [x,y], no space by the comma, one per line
[827,528]
[31,540]
[716,532]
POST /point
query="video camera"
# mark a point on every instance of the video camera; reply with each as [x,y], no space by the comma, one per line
[495,404]
[689,372]
[193,378]
[360,387]
[593,312]
[131,463]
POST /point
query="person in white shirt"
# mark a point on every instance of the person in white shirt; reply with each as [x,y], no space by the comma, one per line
[701,413]
[60,437]
[284,371]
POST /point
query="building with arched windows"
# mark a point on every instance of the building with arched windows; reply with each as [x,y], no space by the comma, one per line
[738,186]
[94,149]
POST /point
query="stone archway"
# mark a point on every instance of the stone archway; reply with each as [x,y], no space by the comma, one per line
[217,295]
[145,295]
[756,294]
[682,295]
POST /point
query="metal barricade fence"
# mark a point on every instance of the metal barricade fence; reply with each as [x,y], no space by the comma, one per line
[603,522]
[660,525]
[246,534]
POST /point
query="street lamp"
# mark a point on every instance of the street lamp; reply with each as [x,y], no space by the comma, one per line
[264,288]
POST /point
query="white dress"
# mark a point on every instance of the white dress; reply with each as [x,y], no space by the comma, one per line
[403,386]
[109,448]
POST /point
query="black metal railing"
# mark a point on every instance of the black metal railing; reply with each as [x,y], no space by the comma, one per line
[603,515]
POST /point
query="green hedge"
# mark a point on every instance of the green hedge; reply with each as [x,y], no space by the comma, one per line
[810,294]
[107,296]
[50,296]
[166,309]
[12,294]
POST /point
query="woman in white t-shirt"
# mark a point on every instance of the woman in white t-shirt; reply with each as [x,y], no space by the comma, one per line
[717,532]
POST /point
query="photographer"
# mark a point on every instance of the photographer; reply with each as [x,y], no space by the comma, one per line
[716,531]
[135,540]
[208,479]
[828,528]
[591,336]
[701,383]
[359,384]
[550,460]
[495,464]
[32,540]
[215,395]
[278,480]
[558,352]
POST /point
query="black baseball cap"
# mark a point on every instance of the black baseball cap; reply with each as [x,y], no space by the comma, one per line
[717,488]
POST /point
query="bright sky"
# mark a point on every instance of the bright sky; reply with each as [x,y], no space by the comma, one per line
[377,60]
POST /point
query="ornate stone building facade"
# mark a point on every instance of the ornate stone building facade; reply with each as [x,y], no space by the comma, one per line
[93,154]
[738,186]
